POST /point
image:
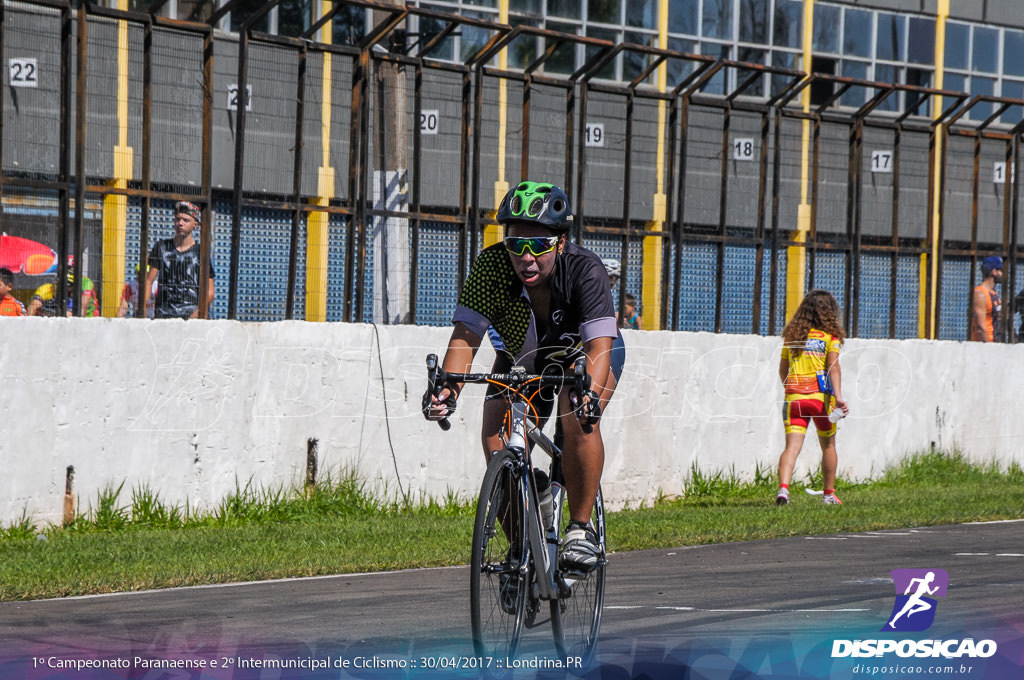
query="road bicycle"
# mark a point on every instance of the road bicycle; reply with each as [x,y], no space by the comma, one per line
[514,566]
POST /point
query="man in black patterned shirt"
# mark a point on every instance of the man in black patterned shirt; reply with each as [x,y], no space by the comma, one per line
[175,263]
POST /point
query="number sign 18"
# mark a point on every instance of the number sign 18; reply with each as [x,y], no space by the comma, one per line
[743,149]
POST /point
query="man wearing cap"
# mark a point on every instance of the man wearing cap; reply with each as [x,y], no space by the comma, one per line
[174,262]
[986,305]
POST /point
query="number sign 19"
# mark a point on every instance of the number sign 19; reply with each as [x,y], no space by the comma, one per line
[594,134]
[999,172]
[23,73]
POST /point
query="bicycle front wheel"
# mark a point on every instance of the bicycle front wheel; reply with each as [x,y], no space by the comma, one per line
[576,614]
[499,576]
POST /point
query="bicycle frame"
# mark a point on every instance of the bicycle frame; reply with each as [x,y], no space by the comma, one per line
[543,543]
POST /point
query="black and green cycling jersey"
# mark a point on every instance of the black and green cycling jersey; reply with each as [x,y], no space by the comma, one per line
[580,309]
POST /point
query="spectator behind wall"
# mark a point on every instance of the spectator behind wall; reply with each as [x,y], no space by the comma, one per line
[130,297]
[9,305]
[44,300]
[987,304]
[174,263]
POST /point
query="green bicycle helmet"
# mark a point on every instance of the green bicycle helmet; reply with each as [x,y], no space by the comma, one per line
[544,204]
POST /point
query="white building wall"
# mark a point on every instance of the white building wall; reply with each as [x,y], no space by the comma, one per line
[195,410]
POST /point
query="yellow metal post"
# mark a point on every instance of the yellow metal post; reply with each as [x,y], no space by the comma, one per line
[928,290]
[115,207]
[653,262]
[317,222]
[796,256]
[493,233]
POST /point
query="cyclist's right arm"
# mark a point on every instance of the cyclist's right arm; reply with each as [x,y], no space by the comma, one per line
[462,348]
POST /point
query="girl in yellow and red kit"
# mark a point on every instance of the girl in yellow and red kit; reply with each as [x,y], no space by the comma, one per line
[809,370]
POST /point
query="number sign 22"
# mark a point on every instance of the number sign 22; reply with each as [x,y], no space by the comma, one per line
[23,73]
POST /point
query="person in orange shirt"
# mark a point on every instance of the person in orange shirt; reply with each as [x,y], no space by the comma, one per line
[9,305]
[809,370]
[987,304]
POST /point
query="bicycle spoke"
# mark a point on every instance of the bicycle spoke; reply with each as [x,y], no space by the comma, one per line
[500,568]
[576,614]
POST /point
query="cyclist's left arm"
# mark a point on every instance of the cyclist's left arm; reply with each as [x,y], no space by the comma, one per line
[599,365]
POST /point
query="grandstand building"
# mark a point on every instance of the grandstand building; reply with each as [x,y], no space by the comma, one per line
[731,153]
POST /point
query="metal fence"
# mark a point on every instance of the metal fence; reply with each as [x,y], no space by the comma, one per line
[355,182]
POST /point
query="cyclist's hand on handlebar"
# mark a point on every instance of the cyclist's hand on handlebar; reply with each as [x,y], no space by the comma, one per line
[440,397]
[439,405]
[587,409]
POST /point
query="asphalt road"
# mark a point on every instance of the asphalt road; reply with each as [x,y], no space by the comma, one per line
[769,607]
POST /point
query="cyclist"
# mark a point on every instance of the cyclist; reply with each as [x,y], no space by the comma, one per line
[548,303]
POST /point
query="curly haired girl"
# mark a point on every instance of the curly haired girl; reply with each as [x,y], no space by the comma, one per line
[809,371]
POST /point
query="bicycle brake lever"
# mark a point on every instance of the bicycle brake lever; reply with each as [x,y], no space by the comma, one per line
[582,388]
[433,388]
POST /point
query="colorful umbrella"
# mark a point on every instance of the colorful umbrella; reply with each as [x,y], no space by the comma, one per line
[26,256]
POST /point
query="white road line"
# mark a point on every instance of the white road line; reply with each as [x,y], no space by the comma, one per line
[969,554]
[238,584]
[1009,555]
[998,521]
[757,611]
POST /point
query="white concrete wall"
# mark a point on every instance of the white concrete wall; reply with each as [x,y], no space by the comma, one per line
[194,409]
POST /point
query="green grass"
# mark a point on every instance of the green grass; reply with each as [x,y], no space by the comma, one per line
[339,527]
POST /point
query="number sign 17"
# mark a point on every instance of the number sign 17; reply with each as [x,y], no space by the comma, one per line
[23,73]
[881,161]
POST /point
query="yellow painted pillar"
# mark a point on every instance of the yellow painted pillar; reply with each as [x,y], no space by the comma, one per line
[796,256]
[115,207]
[653,260]
[929,275]
[493,233]
[317,222]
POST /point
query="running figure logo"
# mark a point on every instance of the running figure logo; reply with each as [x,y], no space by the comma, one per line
[914,609]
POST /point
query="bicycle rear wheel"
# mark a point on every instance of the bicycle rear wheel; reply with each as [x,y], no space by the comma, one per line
[499,576]
[576,614]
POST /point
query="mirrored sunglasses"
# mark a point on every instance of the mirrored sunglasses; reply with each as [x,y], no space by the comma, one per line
[538,245]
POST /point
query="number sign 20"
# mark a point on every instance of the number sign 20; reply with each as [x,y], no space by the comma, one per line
[428,121]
